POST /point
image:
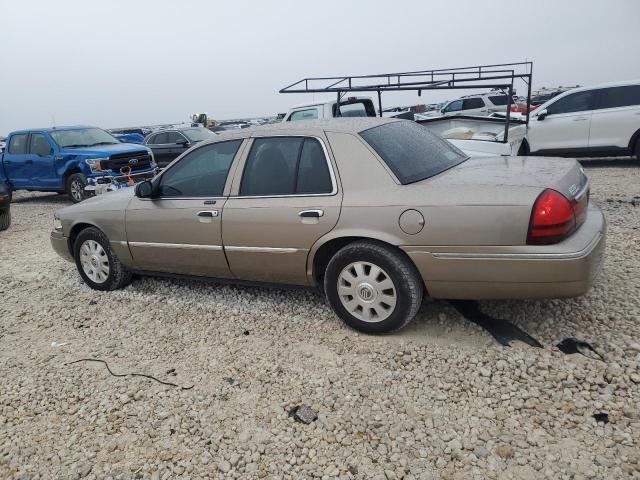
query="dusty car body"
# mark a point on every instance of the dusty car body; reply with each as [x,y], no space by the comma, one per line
[380,211]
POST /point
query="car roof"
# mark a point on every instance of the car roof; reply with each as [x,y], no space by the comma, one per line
[309,127]
[53,129]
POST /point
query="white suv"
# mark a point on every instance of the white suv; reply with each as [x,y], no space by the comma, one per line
[603,120]
[481,104]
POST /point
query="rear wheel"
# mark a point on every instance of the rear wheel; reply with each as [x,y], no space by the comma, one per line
[75,187]
[97,264]
[636,150]
[5,219]
[373,287]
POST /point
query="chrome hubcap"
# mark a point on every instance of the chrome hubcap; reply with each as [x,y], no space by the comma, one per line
[367,292]
[76,190]
[94,261]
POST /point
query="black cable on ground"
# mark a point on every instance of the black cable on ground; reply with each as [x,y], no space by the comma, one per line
[129,374]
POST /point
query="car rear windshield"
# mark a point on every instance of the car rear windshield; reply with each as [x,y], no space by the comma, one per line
[411,151]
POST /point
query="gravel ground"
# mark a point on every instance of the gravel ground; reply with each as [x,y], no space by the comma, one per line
[438,400]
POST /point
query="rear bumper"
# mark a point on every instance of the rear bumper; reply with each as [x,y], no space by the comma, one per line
[567,269]
[60,245]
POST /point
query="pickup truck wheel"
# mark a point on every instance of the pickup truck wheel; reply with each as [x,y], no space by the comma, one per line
[97,264]
[373,287]
[5,219]
[75,187]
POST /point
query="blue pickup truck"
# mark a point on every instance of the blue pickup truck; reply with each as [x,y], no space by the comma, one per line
[80,161]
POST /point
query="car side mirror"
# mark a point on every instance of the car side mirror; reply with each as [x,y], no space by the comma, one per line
[542,114]
[144,189]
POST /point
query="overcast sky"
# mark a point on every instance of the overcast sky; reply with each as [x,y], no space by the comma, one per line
[119,63]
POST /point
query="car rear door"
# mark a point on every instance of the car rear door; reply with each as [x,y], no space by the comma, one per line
[179,230]
[284,198]
[615,118]
[15,160]
[474,106]
[565,127]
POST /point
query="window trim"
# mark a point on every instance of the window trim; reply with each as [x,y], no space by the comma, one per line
[334,184]
[230,173]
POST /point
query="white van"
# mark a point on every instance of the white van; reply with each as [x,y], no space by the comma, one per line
[603,120]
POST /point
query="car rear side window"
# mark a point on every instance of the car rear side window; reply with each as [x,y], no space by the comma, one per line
[411,151]
[500,99]
[470,103]
[623,96]
[286,166]
[201,173]
[39,145]
[18,144]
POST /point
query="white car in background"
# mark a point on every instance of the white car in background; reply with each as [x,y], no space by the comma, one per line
[602,120]
[483,104]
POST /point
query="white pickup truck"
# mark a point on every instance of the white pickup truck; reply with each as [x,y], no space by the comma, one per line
[476,136]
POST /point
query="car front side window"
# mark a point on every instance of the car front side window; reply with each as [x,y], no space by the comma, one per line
[201,173]
[575,102]
[39,145]
[454,106]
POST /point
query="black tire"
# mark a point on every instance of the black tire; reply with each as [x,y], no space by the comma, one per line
[636,150]
[407,283]
[75,187]
[118,275]
[5,219]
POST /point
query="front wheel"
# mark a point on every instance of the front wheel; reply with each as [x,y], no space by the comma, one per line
[97,264]
[373,287]
[75,187]
[5,219]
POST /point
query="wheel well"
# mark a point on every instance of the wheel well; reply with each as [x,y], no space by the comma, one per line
[73,234]
[329,249]
[635,139]
[67,174]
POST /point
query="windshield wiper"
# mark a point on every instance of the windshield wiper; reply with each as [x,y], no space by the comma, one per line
[103,143]
[75,146]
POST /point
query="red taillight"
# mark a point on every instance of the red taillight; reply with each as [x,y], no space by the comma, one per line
[514,107]
[554,218]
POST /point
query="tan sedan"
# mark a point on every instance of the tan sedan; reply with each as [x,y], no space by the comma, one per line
[377,211]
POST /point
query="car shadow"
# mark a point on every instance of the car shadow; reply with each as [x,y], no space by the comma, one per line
[47,198]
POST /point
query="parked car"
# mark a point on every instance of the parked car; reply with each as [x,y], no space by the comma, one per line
[5,206]
[3,143]
[129,137]
[349,107]
[71,160]
[481,104]
[603,120]
[378,211]
[168,144]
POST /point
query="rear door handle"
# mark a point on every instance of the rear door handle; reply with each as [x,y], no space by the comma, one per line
[208,213]
[311,213]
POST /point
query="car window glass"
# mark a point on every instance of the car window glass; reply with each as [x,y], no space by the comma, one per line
[18,144]
[201,173]
[411,151]
[500,99]
[313,171]
[454,106]
[575,102]
[271,166]
[353,110]
[310,114]
[622,96]
[469,103]
[39,145]
[160,138]
[174,137]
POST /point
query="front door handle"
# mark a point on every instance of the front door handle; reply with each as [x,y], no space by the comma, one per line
[311,213]
[208,213]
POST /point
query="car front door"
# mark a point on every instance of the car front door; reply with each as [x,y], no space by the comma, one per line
[179,229]
[41,163]
[615,118]
[15,161]
[179,142]
[565,126]
[284,198]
